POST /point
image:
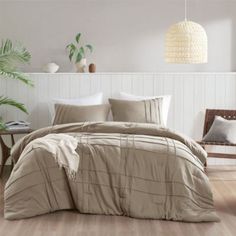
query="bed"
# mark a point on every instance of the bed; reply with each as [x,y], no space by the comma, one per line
[131,169]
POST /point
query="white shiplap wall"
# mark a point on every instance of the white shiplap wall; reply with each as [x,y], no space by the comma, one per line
[191,94]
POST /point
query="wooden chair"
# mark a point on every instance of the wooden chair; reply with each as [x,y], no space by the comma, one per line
[209,118]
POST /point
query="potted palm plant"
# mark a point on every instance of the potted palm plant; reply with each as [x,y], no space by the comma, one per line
[77,53]
[10,57]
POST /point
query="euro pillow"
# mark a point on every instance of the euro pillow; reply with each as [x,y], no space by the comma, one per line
[222,130]
[146,111]
[165,103]
[65,114]
[95,99]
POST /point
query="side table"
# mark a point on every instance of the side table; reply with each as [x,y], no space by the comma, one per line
[5,149]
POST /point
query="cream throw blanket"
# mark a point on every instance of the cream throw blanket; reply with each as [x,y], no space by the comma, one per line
[62,147]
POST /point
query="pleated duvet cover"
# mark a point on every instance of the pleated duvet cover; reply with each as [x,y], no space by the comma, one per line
[112,168]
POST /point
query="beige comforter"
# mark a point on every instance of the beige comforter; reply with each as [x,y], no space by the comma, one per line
[137,170]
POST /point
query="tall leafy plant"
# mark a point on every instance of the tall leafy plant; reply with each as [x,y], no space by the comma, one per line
[11,56]
[77,51]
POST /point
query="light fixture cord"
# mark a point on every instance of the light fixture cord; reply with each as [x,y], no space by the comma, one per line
[185,9]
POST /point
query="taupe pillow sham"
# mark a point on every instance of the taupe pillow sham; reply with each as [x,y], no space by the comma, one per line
[222,130]
[146,111]
[71,113]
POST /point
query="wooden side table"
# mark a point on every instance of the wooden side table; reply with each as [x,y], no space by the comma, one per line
[5,149]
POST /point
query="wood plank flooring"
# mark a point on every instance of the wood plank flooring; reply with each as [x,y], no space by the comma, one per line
[67,223]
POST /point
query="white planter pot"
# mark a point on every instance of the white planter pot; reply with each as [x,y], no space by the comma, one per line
[81,66]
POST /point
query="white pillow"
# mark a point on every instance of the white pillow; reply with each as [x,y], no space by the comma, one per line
[165,107]
[95,99]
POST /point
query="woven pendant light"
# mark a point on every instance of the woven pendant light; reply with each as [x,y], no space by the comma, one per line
[186,43]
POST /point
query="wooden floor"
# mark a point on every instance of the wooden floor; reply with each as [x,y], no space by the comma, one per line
[223,182]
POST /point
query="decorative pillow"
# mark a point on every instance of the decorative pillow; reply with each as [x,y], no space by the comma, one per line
[222,130]
[146,111]
[71,113]
[165,103]
[95,99]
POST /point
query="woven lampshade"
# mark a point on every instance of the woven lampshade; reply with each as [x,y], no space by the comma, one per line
[186,43]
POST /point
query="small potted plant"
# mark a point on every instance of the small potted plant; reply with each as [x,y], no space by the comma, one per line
[77,53]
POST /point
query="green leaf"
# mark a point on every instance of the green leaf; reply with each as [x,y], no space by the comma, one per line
[71,47]
[6,46]
[71,55]
[13,55]
[72,50]
[12,102]
[77,38]
[79,57]
[90,47]
[82,51]
[10,57]
[16,75]
[2,124]
[68,46]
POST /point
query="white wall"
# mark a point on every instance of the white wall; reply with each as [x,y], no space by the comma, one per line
[191,94]
[128,35]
